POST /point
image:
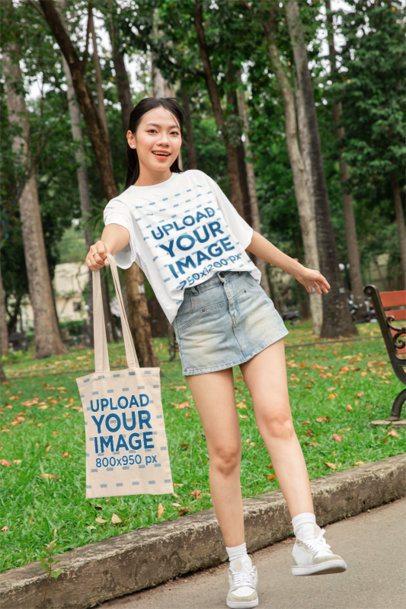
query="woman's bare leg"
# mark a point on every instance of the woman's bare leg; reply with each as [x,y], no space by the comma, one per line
[266,379]
[214,396]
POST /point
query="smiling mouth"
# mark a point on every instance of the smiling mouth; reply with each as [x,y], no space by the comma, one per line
[161,153]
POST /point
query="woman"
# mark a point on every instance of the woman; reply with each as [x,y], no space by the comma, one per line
[191,244]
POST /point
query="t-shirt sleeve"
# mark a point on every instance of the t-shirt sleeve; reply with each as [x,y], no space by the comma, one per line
[239,227]
[117,212]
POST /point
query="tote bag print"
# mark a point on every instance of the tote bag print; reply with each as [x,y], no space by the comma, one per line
[126,444]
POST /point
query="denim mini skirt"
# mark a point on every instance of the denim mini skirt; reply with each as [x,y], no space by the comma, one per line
[225,321]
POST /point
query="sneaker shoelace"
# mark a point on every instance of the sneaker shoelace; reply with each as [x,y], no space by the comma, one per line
[318,543]
[245,577]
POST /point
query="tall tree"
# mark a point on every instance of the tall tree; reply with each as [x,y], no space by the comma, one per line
[372,91]
[99,139]
[47,336]
[218,111]
[250,173]
[337,319]
[300,173]
[348,205]
[134,279]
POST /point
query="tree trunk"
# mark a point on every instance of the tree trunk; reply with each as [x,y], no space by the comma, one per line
[3,319]
[337,319]
[81,174]
[348,207]
[111,333]
[301,179]
[138,312]
[99,140]
[190,142]
[251,185]
[230,145]
[122,80]
[400,224]
[47,336]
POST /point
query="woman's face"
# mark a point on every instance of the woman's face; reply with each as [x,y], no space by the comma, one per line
[158,131]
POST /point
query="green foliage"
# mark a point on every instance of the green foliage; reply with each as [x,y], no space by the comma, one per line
[42,453]
[372,62]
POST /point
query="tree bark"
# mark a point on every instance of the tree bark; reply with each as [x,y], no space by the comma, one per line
[99,140]
[301,178]
[138,312]
[337,319]
[190,142]
[251,182]
[122,80]
[3,319]
[400,224]
[212,88]
[81,173]
[47,335]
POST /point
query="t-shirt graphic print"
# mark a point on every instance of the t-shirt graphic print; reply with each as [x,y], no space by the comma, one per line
[182,231]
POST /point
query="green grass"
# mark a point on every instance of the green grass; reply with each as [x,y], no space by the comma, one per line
[42,432]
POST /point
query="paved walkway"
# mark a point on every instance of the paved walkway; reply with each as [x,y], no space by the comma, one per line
[373,544]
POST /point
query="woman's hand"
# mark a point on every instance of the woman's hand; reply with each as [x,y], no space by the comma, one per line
[312,280]
[96,257]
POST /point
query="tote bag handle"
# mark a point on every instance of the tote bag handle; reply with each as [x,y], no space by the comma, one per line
[101,354]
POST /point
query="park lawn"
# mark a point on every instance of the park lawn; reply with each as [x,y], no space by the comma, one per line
[335,389]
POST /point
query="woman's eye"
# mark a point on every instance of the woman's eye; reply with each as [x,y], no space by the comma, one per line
[154,131]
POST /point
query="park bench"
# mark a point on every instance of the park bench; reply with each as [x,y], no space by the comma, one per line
[386,308]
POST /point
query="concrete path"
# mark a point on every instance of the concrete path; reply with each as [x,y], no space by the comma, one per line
[373,544]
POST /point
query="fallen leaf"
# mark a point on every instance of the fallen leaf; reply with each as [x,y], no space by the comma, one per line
[330,465]
[393,433]
[348,407]
[196,493]
[160,510]
[116,519]
[100,520]
[336,437]
[182,405]
[49,476]
[5,462]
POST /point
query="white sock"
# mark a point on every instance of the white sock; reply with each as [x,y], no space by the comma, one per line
[237,555]
[235,552]
[303,525]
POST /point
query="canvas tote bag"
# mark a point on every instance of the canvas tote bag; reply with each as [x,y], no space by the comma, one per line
[126,444]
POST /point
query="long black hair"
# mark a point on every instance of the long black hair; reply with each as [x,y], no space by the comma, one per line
[143,106]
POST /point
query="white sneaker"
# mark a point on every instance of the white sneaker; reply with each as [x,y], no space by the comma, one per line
[314,556]
[243,580]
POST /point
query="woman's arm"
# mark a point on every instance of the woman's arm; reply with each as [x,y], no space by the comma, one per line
[115,236]
[312,279]
[113,239]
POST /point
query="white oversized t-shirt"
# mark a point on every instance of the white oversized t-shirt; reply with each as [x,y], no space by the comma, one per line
[182,231]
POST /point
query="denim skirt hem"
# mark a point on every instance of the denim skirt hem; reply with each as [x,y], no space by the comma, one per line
[190,371]
[224,321]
